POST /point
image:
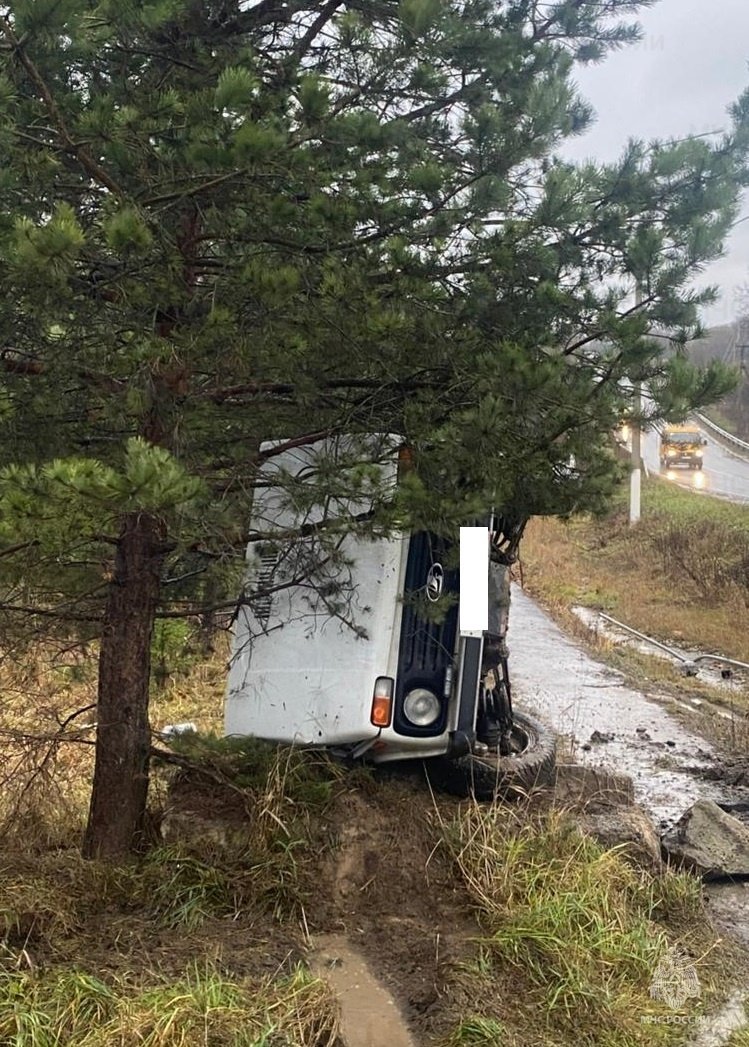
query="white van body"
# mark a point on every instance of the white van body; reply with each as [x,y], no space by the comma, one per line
[299,673]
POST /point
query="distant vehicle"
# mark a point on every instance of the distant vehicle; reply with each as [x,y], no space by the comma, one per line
[370,663]
[682,445]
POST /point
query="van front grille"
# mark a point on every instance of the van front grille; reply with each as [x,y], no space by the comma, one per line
[427,647]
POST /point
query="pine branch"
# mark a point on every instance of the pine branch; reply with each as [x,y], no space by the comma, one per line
[305,42]
[14,362]
[47,612]
[92,168]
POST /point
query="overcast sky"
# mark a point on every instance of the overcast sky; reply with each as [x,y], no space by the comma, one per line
[692,63]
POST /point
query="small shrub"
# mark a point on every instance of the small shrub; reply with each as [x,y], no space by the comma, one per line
[707,555]
[174,649]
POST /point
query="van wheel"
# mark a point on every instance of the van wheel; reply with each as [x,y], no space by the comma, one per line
[494,777]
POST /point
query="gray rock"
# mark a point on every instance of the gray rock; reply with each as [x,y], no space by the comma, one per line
[629,828]
[589,787]
[709,842]
[599,737]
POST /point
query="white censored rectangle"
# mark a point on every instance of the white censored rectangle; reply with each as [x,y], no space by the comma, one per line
[474,581]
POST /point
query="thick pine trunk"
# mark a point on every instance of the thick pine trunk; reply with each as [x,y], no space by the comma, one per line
[118,801]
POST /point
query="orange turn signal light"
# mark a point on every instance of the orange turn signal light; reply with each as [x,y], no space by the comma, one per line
[405,460]
[382,702]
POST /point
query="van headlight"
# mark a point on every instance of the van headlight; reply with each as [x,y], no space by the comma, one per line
[421,707]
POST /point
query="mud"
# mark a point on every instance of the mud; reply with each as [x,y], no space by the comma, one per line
[607,723]
[369,1015]
[387,891]
[376,908]
[715,1030]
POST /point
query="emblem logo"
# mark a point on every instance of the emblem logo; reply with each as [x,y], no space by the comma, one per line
[435,582]
[674,980]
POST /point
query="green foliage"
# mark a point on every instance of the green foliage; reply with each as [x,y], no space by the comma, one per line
[304,777]
[271,221]
[74,496]
[74,1008]
[236,88]
[575,925]
[48,248]
[126,230]
[173,649]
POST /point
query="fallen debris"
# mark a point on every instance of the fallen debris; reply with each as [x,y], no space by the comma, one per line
[630,828]
[599,737]
[709,842]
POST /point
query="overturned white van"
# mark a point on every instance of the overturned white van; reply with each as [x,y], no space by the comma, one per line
[352,642]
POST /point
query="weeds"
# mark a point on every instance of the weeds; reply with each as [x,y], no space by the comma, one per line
[479,1032]
[76,1009]
[181,891]
[681,575]
[580,928]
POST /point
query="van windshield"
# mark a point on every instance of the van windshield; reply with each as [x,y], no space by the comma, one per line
[681,438]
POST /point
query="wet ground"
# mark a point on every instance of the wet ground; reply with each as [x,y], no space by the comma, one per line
[369,1014]
[607,723]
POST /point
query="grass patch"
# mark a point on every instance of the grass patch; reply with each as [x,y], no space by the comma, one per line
[577,931]
[75,1008]
[681,575]
[478,1032]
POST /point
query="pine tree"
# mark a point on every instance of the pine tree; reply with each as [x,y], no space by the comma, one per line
[227,221]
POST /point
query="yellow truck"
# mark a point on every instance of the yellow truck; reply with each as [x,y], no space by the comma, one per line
[682,445]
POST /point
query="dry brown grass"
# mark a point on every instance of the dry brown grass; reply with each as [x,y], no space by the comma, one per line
[47,713]
[646,576]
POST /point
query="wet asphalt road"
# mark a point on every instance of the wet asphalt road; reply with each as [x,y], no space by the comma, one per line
[724,473]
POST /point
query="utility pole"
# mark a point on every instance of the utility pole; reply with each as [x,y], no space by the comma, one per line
[635,476]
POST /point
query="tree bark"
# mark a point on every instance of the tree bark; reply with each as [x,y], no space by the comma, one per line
[118,801]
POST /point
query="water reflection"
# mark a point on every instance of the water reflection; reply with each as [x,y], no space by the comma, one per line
[688,478]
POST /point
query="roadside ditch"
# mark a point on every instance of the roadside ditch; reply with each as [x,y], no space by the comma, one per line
[655,738]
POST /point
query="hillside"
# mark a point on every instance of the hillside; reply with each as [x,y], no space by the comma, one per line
[495,925]
[725,343]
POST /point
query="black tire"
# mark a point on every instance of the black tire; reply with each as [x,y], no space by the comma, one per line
[498,777]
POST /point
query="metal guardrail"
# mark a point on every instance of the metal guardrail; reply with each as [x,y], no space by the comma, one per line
[742,444]
[687,662]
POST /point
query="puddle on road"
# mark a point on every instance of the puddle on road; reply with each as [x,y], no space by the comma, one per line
[556,679]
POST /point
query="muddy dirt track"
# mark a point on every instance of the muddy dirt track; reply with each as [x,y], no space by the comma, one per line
[605,722]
